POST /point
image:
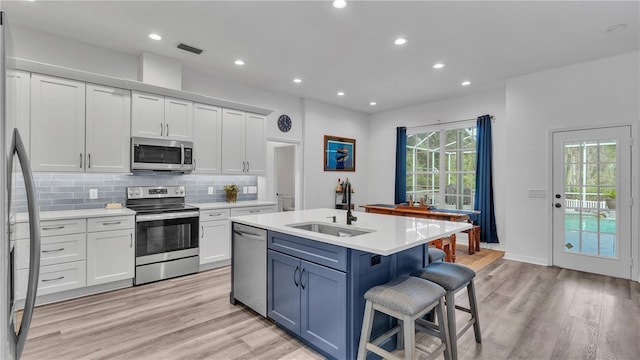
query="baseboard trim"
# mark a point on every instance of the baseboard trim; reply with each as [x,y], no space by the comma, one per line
[526,259]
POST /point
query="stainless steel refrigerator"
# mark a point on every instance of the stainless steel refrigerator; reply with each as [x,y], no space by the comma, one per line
[14,169]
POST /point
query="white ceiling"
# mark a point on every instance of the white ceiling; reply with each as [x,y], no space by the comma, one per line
[352,49]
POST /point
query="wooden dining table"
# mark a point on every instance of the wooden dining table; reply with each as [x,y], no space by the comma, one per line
[447,244]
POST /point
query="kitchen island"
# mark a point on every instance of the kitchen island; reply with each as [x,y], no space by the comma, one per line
[317,271]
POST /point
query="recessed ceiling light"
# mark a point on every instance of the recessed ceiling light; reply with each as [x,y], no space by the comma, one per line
[239,62]
[339,4]
[466,83]
[297,81]
[400,41]
[340,93]
[438,66]
[616,28]
[373,103]
[155,36]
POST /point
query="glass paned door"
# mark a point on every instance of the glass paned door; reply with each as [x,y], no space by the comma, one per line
[591,221]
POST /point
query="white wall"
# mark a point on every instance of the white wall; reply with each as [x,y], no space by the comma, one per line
[382,153]
[324,119]
[598,92]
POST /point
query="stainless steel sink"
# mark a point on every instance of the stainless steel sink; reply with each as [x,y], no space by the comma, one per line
[330,229]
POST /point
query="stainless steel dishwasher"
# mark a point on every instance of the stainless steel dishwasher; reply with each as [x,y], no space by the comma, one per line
[249,267]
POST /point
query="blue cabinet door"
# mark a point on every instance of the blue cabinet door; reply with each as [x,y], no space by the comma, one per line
[324,308]
[284,290]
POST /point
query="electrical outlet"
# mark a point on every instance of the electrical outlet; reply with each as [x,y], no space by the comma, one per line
[210,190]
[93,194]
[253,189]
[245,190]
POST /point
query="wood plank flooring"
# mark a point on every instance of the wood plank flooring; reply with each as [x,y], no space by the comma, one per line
[526,312]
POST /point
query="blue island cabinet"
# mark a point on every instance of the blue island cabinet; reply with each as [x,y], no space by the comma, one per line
[316,290]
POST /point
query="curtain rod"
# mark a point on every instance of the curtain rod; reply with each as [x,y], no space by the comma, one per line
[439,122]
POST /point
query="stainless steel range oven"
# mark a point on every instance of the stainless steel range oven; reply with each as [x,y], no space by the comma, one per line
[166,233]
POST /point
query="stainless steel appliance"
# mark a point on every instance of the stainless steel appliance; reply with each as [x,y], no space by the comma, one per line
[12,343]
[166,233]
[149,154]
[249,264]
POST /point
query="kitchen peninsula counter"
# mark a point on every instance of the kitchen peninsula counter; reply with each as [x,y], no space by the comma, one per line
[391,234]
[315,282]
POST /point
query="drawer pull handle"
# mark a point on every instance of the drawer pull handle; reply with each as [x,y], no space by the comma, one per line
[254,211]
[216,214]
[54,250]
[56,279]
[112,223]
[53,228]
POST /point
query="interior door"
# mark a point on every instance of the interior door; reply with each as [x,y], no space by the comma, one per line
[592,200]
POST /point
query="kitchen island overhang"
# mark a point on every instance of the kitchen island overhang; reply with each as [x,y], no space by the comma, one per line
[316,281]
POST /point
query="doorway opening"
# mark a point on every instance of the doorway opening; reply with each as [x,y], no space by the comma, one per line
[284,174]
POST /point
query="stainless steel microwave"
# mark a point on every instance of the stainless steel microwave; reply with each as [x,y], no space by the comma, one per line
[149,154]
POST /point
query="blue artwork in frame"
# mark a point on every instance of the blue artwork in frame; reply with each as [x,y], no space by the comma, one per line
[339,153]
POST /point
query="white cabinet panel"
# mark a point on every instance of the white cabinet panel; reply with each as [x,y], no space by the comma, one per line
[156,116]
[53,278]
[233,157]
[110,256]
[18,104]
[215,241]
[108,128]
[178,118]
[147,115]
[255,144]
[207,138]
[57,124]
[253,210]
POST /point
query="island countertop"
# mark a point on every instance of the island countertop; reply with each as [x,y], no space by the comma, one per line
[391,234]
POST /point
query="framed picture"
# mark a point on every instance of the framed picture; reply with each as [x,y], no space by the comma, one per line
[339,153]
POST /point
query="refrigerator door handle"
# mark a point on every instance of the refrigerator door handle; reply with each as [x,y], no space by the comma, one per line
[17,147]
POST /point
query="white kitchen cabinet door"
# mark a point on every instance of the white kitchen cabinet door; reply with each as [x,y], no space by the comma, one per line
[178,119]
[255,144]
[110,256]
[207,138]
[233,138]
[147,115]
[57,124]
[215,241]
[18,108]
[108,129]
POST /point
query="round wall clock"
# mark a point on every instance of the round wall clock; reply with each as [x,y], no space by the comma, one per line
[284,123]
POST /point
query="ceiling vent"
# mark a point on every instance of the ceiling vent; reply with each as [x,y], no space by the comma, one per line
[188,48]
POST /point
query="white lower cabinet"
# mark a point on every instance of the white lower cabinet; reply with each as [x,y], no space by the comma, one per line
[54,278]
[215,244]
[110,256]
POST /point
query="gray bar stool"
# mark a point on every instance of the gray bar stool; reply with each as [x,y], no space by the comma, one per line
[435,254]
[453,277]
[407,299]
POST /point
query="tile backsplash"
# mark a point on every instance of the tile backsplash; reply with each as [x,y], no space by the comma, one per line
[71,191]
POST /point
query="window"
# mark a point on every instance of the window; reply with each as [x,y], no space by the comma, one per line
[441,166]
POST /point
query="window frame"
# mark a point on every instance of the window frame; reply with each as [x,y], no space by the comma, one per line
[443,174]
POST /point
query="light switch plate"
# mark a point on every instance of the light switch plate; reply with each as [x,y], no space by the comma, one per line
[245,190]
[210,190]
[93,194]
[253,189]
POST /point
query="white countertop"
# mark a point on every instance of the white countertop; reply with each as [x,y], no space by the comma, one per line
[391,234]
[226,205]
[75,214]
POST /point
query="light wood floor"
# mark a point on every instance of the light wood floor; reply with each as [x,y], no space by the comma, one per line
[526,312]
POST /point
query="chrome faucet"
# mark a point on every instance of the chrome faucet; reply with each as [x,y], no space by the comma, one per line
[347,187]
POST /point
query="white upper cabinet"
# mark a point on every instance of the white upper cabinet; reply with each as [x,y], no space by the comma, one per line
[156,116]
[147,115]
[255,144]
[108,122]
[243,143]
[18,108]
[178,119]
[207,138]
[57,124]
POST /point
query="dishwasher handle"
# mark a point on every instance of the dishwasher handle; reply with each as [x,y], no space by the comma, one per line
[246,235]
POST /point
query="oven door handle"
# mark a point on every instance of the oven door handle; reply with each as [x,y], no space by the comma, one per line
[167,216]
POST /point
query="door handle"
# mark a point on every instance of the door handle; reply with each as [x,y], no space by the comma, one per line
[294,276]
[161,129]
[243,166]
[130,239]
[247,166]
[202,230]
[80,160]
[301,277]
[89,161]
[558,205]
[167,129]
